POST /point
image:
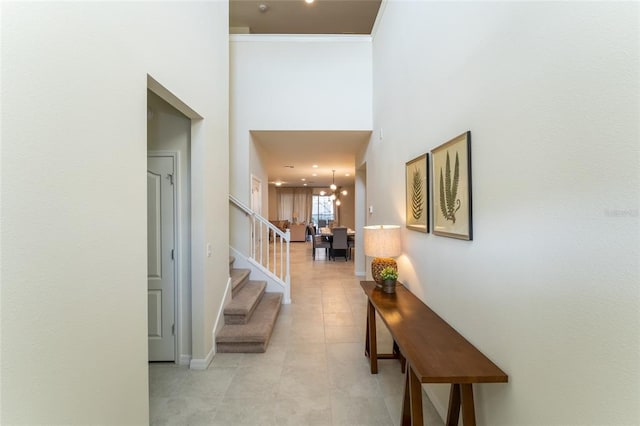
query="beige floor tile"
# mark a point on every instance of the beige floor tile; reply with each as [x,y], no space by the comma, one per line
[314,371]
[211,383]
[343,334]
[223,360]
[336,307]
[254,382]
[164,378]
[246,412]
[339,319]
[359,411]
[272,358]
[303,382]
[306,355]
[181,410]
[298,411]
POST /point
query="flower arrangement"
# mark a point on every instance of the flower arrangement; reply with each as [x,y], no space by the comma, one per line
[389,273]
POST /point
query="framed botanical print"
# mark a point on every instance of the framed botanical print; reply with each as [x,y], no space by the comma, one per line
[417,193]
[452,188]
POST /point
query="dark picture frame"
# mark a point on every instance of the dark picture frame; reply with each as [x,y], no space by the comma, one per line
[417,193]
[452,201]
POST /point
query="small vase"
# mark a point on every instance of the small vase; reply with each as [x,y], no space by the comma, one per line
[389,286]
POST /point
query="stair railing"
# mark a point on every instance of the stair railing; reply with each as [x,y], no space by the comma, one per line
[272,258]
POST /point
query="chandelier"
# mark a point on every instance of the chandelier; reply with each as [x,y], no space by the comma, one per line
[334,190]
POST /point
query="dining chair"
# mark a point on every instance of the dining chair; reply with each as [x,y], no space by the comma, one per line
[340,242]
[321,242]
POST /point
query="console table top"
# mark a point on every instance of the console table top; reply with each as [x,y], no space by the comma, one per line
[436,352]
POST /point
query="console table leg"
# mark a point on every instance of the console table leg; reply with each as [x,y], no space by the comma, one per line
[468,408]
[412,400]
[405,419]
[461,395]
[398,354]
[453,413]
[366,338]
[373,346]
[415,388]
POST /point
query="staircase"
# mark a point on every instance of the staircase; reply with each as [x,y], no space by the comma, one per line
[250,316]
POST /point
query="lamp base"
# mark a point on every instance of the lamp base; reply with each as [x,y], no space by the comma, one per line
[378,264]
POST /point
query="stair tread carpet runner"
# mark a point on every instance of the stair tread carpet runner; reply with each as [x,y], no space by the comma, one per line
[250,316]
[254,335]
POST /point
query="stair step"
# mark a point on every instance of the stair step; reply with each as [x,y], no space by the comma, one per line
[239,310]
[239,278]
[231,260]
[254,336]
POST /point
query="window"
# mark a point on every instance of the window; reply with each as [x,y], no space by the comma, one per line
[322,209]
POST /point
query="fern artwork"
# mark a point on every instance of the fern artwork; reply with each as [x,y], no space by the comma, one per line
[417,194]
[449,203]
[452,188]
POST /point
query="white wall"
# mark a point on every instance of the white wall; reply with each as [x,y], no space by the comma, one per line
[74,96]
[168,130]
[273,203]
[549,288]
[347,207]
[292,83]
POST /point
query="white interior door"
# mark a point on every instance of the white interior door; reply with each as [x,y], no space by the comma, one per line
[161,263]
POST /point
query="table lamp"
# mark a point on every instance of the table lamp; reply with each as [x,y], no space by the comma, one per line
[382,242]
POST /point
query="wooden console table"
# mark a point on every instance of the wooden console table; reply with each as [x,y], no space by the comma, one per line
[434,353]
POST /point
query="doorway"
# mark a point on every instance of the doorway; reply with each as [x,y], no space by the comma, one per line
[169,138]
[256,195]
[256,207]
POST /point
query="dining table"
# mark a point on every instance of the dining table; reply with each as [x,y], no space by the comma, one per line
[328,232]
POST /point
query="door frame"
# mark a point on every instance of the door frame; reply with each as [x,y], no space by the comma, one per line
[178,255]
[256,236]
[256,179]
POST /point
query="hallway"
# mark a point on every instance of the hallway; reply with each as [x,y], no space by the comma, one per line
[313,373]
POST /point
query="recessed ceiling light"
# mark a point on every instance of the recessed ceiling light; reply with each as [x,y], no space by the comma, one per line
[308,1]
[304,184]
[347,174]
[278,183]
[303,179]
[314,174]
[315,166]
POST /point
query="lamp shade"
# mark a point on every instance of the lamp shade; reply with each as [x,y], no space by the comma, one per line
[382,241]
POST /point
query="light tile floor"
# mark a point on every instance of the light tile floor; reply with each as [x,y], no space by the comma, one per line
[314,371]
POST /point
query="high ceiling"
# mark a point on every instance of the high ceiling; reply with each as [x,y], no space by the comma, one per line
[299,17]
[290,156]
[330,150]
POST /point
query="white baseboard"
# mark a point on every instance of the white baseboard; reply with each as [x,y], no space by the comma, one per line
[220,318]
[202,364]
[184,360]
[360,274]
